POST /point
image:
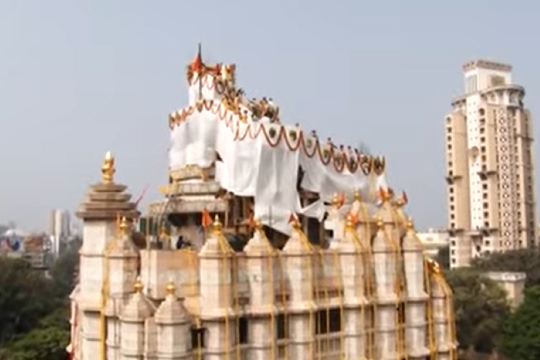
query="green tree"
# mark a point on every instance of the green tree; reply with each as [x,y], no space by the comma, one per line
[63,269]
[480,308]
[521,331]
[443,257]
[47,341]
[523,260]
[25,297]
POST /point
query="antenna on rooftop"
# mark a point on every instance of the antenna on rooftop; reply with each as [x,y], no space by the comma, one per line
[199,57]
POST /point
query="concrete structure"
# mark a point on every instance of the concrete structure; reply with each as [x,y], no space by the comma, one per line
[491,200]
[512,282]
[59,229]
[352,286]
[433,241]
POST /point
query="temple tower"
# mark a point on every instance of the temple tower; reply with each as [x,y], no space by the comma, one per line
[353,274]
[260,270]
[133,326]
[298,256]
[173,328]
[105,203]
[120,275]
[217,285]
[386,293]
[415,307]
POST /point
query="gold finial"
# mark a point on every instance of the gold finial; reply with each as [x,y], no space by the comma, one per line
[107,169]
[409,224]
[351,221]
[163,233]
[138,286]
[380,223]
[171,288]
[257,224]
[434,266]
[295,222]
[124,226]
[357,196]
[217,226]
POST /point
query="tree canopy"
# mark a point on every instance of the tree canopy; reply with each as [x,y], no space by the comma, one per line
[521,331]
[34,309]
[523,260]
[480,307]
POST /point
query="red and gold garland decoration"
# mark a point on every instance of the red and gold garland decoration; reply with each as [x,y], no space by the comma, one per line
[293,138]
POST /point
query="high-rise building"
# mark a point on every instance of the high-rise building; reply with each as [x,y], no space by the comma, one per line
[491,203]
[59,229]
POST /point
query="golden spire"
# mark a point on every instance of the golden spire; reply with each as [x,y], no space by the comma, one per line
[257,224]
[124,226]
[217,226]
[357,195]
[138,286]
[107,169]
[295,222]
[380,223]
[171,288]
[350,222]
[409,224]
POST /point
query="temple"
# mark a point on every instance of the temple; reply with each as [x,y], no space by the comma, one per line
[269,243]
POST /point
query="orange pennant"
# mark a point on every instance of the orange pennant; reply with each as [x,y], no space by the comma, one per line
[206,220]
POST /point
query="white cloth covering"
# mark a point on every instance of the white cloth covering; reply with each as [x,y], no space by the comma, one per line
[252,167]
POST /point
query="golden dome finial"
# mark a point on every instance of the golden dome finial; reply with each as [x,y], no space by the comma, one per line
[171,288]
[257,224]
[163,233]
[295,222]
[357,196]
[409,224]
[217,225]
[350,221]
[107,169]
[124,226]
[138,286]
[380,223]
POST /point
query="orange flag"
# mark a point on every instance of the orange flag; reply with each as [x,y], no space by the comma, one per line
[206,219]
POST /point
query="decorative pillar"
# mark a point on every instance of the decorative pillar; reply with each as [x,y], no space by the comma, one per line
[132,324]
[216,289]
[173,328]
[353,273]
[386,316]
[105,203]
[261,326]
[298,272]
[415,307]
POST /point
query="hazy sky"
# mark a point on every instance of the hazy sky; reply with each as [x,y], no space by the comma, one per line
[78,78]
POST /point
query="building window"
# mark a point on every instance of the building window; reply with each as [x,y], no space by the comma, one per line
[281,328]
[243,330]
[197,337]
[328,321]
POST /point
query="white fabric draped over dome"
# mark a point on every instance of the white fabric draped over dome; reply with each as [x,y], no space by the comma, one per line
[251,165]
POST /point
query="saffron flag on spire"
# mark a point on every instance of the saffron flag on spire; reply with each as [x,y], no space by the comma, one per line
[206,220]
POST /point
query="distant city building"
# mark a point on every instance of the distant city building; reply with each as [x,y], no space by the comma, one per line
[33,248]
[433,241]
[491,201]
[59,229]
